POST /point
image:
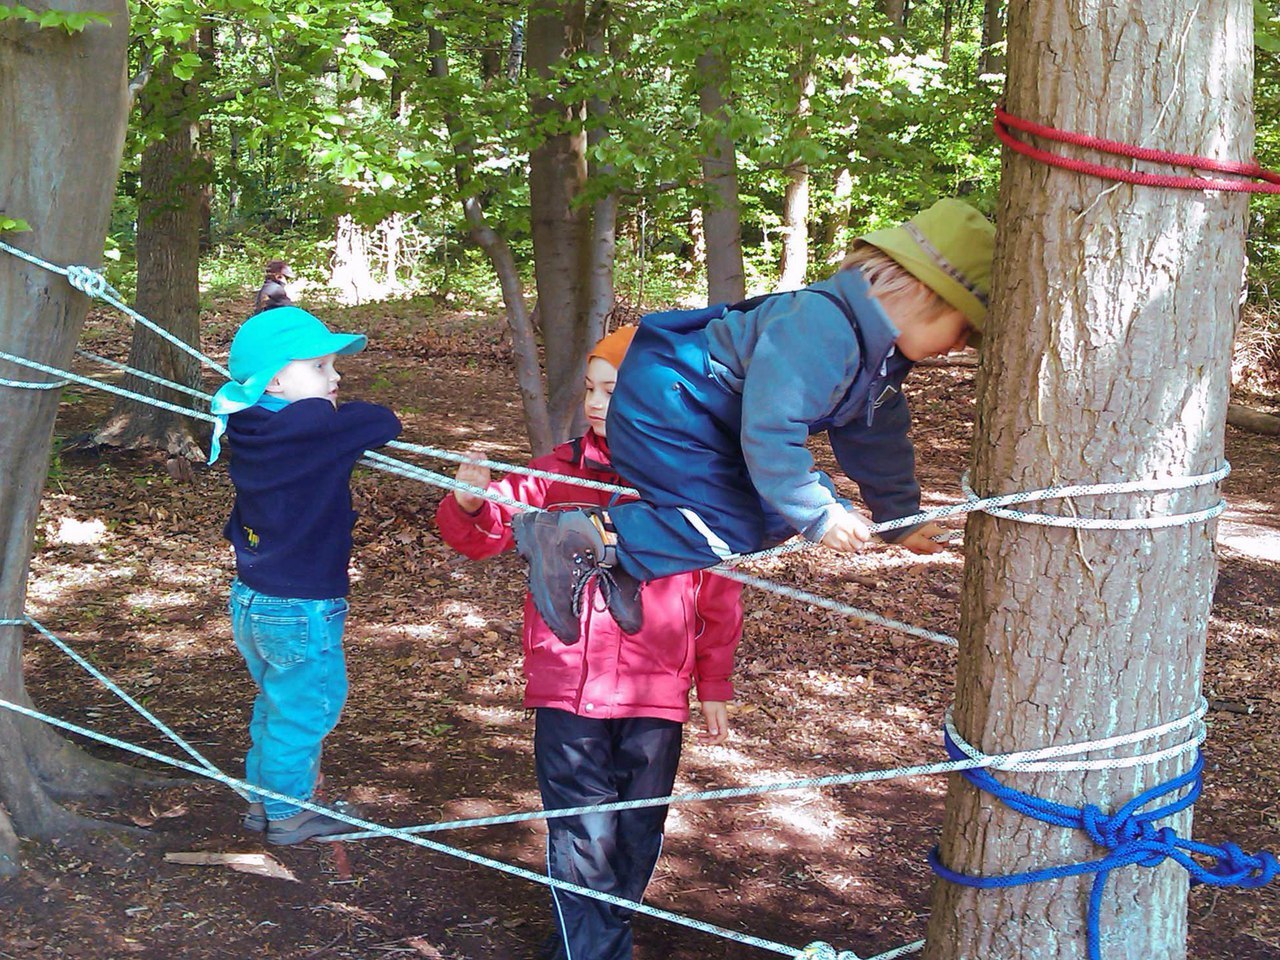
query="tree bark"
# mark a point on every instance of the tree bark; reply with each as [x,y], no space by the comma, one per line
[63,105]
[1107,358]
[603,243]
[1255,421]
[524,344]
[795,200]
[721,217]
[895,12]
[993,56]
[559,224]
[170,196]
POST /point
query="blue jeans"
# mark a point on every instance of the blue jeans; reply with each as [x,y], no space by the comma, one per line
[293,649]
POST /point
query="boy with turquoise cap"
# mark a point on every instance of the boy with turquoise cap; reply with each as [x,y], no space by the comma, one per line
[293,449]
[714,408]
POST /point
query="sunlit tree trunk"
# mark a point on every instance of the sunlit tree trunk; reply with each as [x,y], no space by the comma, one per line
[63,105]
[721,217]
[993,36]
[795,200]
[1107,359]
[604,220]
[524,344]
[560,225]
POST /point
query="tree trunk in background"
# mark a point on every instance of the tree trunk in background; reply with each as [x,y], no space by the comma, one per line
[895,11]
[795,201]
[721,218]
[603,243]
[560,228]
[170,188]
[993,56]
[209,55]
[836,222]
[1107,359]
[63,106]
[524,343]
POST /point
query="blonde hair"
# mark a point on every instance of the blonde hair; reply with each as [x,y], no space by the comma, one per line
[897,290]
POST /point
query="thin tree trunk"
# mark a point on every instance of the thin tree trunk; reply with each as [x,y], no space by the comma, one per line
[1108,358]
[524,343]
[721,217]
[603,243]
[557,176]
[795,201]
[63,106]
[993,56]
[170,190]
[896,12]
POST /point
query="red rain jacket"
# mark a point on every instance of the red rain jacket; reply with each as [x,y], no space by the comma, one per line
[692,621]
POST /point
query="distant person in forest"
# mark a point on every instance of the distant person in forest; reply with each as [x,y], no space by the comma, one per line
[293,448]
[714,408]
[609,710]
[274,293]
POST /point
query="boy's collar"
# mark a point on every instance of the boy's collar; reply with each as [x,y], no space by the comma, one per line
[878,332]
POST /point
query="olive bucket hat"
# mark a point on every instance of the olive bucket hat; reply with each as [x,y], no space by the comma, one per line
[949,248]
[263,346]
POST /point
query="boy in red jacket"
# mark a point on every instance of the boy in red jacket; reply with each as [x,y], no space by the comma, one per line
[609,709]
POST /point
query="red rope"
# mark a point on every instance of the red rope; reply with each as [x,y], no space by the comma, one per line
[1006,122]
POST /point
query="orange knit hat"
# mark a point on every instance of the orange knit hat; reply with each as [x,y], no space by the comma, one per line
[614,346]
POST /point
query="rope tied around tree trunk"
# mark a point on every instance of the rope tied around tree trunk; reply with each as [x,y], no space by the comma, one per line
[1130,835]
[1006,123]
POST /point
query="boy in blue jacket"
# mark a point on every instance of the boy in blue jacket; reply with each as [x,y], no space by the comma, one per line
[293,450]
[714,407]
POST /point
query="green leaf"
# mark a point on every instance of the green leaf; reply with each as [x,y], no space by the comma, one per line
[13,225]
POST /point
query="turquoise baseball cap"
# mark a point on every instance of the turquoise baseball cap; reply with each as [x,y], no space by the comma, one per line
[263,346]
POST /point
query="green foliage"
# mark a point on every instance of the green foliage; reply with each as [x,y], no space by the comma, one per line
[64,20]
[13,225]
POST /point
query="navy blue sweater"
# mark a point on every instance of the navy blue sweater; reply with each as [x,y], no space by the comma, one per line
[292,519]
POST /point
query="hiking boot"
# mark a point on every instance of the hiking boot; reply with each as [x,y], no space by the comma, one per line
[622,596]
[304,825]
[564,549]
[255,818]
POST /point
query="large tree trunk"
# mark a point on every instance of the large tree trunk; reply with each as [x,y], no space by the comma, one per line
[557,175]
[721,218]
[63,104]
[795,200]
[1108,359]
[171,187]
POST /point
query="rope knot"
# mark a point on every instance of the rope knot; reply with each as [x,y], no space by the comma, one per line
[1237,868]
[87,281]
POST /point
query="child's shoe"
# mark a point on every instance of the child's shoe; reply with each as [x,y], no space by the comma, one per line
[564,549]
[304,825]
[622,596]
[255,818]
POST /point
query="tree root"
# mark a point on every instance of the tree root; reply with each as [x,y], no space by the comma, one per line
[9,865]
[67,772]
[166,433]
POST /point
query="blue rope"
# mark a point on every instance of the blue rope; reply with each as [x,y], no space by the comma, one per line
[1129,834]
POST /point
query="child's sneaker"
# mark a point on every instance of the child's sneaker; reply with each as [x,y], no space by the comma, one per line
[304,825]
[622,596]
[564,549]
[255,818]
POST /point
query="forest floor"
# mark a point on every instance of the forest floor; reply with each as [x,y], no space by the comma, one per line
[131,570]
